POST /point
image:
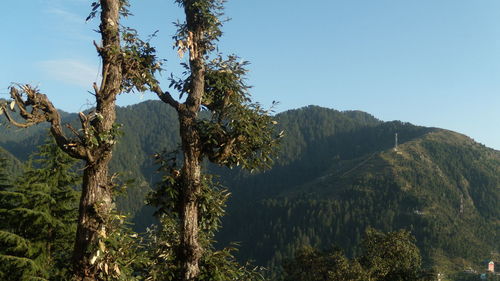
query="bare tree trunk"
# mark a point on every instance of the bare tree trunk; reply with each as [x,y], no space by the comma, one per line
[191,179]
[191,250]
[96,200]
[95,203]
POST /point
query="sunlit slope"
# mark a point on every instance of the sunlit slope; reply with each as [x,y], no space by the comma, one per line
[336,174]
[440,184]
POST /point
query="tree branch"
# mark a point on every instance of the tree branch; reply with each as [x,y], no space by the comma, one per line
[166,97]
[42,110]
[74,131]
[14,122]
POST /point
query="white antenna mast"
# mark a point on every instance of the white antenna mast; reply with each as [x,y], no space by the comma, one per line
[396,142]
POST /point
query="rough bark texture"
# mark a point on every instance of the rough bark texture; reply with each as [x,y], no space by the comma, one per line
[96,200]
[95,203]
[192,146]
[94,145]
[191,250]
[191,182]
[191,178]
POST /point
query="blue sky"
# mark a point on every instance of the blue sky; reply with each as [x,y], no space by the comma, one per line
[428,62]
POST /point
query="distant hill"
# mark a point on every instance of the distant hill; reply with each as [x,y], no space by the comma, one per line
[337,173]
[148,127]
[333,181]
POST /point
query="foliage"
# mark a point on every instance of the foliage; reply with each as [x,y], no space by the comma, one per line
[310,264]
[307,200]
[39,223]
[139,61]
[164,240]
[336,176]
[38,215]
[206,17]
[16,252]
[127,64]
[119,254]
[238,132]
[390,256]
[4,175]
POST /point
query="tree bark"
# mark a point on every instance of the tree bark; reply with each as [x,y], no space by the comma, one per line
[191,250]
[96,200]
[95,204]
[192,149]
[94,145]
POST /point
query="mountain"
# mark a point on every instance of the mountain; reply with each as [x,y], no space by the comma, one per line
[336,174]
[333,181]
[148,128]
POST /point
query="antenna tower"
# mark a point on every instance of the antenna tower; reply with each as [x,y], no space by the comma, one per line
[396,142]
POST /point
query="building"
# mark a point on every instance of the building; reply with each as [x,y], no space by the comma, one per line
[491,266]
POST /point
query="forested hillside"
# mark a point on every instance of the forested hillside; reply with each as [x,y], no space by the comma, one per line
[133,155]
[13,165]
[337,173]
[327,190]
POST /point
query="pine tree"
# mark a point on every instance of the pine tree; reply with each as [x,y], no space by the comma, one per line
[4,176]
[52,167]
[17,254]
[39,218]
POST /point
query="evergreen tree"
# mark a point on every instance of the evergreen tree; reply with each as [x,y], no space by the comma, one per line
[4,176]
[18,256]
[310,264]
[39,218]
[390,256]
[54,168]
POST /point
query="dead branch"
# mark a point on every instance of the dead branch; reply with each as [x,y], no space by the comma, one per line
[36,109]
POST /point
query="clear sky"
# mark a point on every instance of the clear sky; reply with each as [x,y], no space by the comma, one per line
[428,62]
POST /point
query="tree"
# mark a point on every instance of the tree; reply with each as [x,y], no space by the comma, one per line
[390,256]
[165,239]
[54,169]
[236,132]
[310,264]
[16,253]
[38,218]
[4,175]
[123,70]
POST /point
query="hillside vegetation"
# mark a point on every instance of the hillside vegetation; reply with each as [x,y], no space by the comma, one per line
[337,174]
[441,185]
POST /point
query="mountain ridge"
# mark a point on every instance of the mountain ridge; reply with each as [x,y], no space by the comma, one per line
[389,190]
[337,173]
